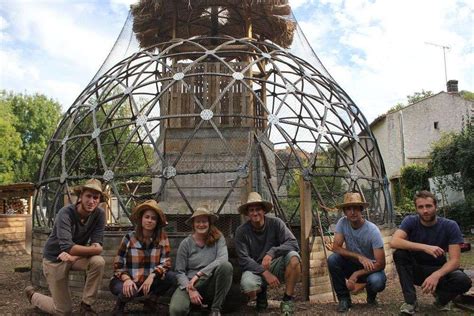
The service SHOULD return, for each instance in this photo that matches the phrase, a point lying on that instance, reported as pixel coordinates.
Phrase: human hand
(350, 283)
(430, 283)
(97, 247)
(64, 256)
(434, 251)
(146, 286)
(191, 283)
(271, 279)
(129, 288)
(267, 260)
(366, 263)
(195, 297)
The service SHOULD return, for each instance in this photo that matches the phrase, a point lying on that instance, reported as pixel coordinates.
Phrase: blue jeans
(341, 268)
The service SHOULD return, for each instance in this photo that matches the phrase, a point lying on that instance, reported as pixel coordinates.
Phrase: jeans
(341, 268)
(411, 273)
(213, 289)
(158, 287)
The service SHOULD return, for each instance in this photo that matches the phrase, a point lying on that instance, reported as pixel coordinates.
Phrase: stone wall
(320, 287)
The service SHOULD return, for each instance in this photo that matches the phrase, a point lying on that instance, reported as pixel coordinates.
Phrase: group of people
(267, 251)
(202, 275)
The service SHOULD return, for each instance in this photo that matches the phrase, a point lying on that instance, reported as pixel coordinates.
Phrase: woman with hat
(204, 273)
(142, 264)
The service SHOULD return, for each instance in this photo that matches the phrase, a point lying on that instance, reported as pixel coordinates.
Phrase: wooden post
(306, 223)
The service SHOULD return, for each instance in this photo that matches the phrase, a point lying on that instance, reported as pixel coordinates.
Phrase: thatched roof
(153, 20)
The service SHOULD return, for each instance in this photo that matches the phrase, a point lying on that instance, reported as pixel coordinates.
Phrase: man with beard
(268, 254)
(75, 243)
(422, 242)
(362, 260)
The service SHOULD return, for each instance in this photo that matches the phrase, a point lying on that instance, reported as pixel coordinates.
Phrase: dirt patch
(14, 302)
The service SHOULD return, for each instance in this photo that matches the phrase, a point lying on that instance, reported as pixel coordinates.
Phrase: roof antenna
(444, 47)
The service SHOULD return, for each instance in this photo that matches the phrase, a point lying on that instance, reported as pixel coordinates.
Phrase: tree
(467, 95)
(417, 96)
(35, 119)
(411, 98)
(10, 144)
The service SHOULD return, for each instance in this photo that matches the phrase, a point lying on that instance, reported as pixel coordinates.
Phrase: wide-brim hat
(255, 198)
(91, 184)
(149, 205)
(202, 211)
(352, 199)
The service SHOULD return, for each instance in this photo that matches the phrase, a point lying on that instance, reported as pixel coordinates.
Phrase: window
(436, 125)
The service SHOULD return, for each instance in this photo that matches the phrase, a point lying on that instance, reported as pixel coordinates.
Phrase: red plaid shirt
(138, 260)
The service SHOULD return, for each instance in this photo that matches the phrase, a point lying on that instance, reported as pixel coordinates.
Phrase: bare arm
(430, 283)
(369, 265)
(399, 241)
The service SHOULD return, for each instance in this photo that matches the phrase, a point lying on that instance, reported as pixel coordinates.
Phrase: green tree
(35, 119)
(10, 144)
(417, 96)
(467, 95)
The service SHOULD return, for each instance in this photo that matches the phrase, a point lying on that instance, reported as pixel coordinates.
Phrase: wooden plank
(306, 223)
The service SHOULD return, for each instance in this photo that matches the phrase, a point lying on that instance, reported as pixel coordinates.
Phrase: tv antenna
(444, 47)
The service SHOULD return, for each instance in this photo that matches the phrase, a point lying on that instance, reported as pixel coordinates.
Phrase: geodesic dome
(196, 126)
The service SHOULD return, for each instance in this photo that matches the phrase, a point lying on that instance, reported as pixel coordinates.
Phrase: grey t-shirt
(191, 259)
(69, 231)
(362, 240)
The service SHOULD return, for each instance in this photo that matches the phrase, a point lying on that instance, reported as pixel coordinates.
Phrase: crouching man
(363, 258)
(268, 254)
(421, 244)
(75, 243)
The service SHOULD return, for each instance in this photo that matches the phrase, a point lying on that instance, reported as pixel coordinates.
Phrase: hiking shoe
(344, 305)
(409, 309)
(372, 301)
(262, 301)
(287, 308)
(86, 310)
(442, 308)
(29, 291)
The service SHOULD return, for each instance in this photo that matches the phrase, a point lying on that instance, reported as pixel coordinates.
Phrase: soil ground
(14, 302)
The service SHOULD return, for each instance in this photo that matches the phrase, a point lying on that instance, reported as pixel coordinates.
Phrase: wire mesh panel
(191, 125)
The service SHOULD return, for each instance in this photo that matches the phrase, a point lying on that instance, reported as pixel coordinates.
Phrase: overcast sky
(375, 49)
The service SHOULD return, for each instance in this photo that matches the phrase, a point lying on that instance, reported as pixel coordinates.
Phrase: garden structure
(201, 102)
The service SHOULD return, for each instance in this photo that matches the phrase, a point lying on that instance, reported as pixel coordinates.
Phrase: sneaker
(29, 291)
(344, 305)
(287, 308)
(86, 310)
(409, 309)
(262, 301)
(442, 308)
(215, 313)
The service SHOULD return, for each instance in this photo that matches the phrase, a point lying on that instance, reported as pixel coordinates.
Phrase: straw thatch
(153, 20)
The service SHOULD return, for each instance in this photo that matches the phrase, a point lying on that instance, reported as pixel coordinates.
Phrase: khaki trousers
(57, 276)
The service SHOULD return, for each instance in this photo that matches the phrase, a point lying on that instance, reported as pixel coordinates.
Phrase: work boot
(86, 310)
(344, 305)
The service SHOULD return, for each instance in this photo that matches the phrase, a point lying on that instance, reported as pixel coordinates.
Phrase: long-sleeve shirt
(192, 259)
(275, 239)
(69, 231)
(139, 260)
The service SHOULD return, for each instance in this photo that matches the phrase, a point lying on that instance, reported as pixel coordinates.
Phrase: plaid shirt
(138, 261)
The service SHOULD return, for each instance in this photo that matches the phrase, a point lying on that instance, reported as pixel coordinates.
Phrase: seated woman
(204, 273)
(141, 267)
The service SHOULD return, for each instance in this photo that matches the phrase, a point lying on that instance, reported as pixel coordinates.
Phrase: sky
(376, 50)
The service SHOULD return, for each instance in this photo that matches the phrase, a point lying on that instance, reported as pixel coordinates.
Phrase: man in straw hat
(363, 258)
(268, 254)
(75, 243)
(421, 244)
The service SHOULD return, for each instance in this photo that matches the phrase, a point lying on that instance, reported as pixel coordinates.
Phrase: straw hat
(354, 199)
(91, 184)
(151, 205)
(202, 211)
(255, 198)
